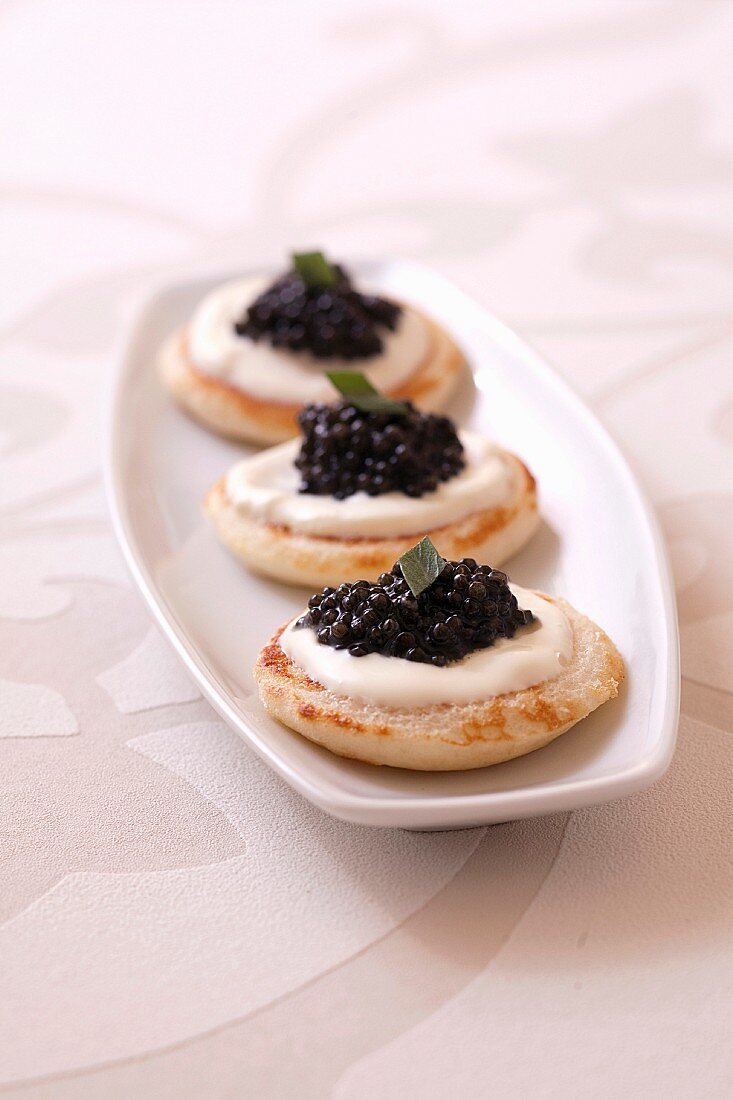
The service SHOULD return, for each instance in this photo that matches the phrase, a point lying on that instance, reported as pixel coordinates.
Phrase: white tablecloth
(177, 922)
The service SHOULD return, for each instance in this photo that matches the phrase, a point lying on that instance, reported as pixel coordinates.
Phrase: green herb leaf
(357, 389)
(421, 565)
(314, 269)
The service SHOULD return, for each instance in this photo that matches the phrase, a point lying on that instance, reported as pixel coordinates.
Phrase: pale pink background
(177, 923)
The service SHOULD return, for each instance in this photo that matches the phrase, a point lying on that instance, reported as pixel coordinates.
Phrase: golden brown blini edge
(448, 737)
(492, 535)
(235, 414)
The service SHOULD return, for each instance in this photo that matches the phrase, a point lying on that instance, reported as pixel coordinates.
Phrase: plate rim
(430, 811)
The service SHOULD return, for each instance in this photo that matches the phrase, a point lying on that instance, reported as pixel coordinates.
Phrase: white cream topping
(265, 486)
(536, 653)
(293, 378)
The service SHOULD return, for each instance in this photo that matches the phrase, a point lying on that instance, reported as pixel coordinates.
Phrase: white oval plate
(599, 547)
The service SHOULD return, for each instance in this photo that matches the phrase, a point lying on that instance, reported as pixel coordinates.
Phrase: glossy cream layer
(265, 487)
(536, 653)
(292, 378)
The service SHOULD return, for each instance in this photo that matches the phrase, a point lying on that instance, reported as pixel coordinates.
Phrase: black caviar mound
(467, 608)
(329, 322)
(346, 451)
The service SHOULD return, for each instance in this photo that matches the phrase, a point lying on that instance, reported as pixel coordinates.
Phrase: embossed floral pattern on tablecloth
(175, 921)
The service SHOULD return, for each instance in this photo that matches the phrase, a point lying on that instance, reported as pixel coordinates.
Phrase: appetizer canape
(368, 476)
(495, 671)
(255, 351)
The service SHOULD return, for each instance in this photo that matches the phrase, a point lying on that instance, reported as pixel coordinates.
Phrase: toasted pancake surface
(449, 737)
(491, 535)
(233, 413)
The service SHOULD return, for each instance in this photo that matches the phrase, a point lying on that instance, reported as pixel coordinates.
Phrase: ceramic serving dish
(599, 546)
